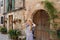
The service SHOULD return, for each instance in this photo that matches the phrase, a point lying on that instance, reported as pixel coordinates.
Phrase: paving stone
(4, 37)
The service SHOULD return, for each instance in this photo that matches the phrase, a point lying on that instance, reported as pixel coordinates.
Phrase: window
(15, 4)
(1, 3)
(2, 20)
(10, 5)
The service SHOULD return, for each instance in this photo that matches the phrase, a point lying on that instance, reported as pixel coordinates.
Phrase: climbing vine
(51, 9)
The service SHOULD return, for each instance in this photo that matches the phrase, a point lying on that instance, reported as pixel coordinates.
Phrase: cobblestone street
(4, 37)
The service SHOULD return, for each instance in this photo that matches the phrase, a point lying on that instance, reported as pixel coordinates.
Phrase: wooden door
(10, 22)
(40, 18)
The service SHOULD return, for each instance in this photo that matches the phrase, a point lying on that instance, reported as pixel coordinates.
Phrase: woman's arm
(31, 26)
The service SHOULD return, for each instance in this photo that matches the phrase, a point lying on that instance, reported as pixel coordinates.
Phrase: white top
(27, 30)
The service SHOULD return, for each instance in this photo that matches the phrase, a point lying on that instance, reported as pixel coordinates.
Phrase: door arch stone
(40, 18)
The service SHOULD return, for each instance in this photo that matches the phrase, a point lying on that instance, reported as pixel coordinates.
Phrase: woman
(28, 29)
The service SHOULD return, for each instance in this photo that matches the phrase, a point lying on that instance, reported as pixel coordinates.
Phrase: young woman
(28, 29)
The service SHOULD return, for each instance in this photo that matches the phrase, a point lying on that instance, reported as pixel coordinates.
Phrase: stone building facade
(1, 12)
(35, 10)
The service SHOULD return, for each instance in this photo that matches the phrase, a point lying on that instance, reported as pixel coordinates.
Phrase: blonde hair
(30, 20)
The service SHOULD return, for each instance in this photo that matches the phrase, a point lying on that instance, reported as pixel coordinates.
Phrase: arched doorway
(40, 18)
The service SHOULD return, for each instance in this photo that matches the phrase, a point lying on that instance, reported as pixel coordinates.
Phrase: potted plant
(14, 34)
(3, 30)
(24, 38)
(58, 33)
(0, 29)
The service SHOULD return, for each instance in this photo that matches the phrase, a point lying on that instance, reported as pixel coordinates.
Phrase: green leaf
(50, 8)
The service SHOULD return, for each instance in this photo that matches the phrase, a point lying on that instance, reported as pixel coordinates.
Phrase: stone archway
(40, 18)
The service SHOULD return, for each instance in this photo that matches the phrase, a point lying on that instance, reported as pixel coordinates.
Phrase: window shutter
(13, 4)
(7, 5)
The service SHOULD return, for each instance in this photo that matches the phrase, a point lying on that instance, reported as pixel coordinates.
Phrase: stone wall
(31, 7)
(16, 15)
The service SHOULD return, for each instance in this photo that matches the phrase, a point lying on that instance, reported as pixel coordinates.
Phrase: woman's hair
(30, 20)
